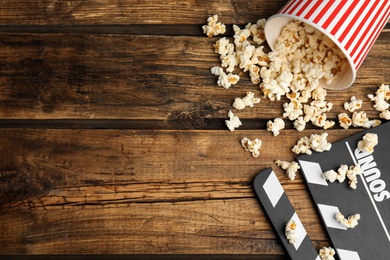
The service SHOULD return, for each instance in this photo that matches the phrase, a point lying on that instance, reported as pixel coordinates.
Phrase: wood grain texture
(113, 139)
(126, 192)
(133, 12)
(83, 76)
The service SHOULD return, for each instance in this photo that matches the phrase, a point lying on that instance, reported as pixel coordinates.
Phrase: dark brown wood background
(112, 135)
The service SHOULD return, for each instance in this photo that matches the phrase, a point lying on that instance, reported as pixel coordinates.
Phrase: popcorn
(299, 124)
(292, 110)
(213, 28)
(319, 143)
(360, 119)
(240, 37)
(344, 120)
(290, 230)
(248, 100)
(291, 168)
(352, 173)
(254, 74)
(257, 31)
(321, 121)
(381, 95)
(351, 222)
(340, 175)
(224, 47)
(224, 80)
(302, 146)
(353, 105)
(368, 143)
(217, 71)
(385, 115)
(319, 93)
(327, 253)
(251, 146)
(229, 61)
(233, 122)
(275, 126)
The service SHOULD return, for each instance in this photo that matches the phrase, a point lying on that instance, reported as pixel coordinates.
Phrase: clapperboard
(370, 239)
(279, 209)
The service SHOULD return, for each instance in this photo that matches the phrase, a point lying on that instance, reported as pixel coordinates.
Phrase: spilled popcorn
(380, 98)
(224, 80)
(351, 222)
(368, 143)
(316, 142)
(343, 172)
(352, 173)
(291, 168)
(344, 120)
(275, 126)
(233, 122)
(327, 253)
(340, 175)
(248, 101)
(290, 230)
(251, 146)
(213, 28)
(353, 105)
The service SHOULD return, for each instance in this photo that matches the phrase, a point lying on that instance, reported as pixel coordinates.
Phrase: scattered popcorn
(254, 74)
(224, 47)
(327, 253)
(291, 168)
(344, 120)
(351, 222)
(385, 115)
(360, 119)
(353, 105)
(251, 146)
(302, 146)
(319, 93)
(233, 122)
(248, 100)
(213, 28)
(381, 95)
(292, 110)
(257, 31)
(217, 71)
(229, 61)
(290, 230)
(316, 142)
(275, 126)
(352, 173)
(224, 80)
(340, 175)
(300, 124)
(321, 121)
(368, 143)
(319, 143)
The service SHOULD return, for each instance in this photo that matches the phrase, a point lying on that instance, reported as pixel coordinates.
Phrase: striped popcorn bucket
(352, 25)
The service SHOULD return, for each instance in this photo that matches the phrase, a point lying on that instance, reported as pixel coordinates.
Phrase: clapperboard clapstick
(279, 209)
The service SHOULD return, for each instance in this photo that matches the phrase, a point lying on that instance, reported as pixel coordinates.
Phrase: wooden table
(113, 138)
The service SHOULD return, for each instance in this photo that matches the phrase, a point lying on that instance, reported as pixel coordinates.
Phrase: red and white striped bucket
(353, 25)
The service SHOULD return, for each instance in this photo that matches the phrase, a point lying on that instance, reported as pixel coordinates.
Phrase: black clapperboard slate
(279, 209)
(370, 239)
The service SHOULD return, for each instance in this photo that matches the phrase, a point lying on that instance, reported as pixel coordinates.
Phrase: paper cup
(352, 25)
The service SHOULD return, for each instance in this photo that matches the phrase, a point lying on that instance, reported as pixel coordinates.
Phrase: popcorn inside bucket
(311, 51)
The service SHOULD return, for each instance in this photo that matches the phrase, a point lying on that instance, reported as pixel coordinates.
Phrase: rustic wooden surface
(113, 140)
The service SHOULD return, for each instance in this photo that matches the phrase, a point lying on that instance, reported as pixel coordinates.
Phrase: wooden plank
(78, 76)
(126, 192)
(70, 12)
